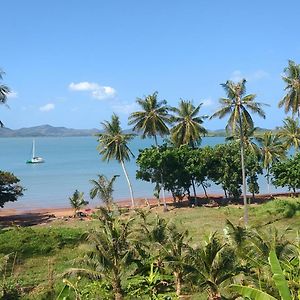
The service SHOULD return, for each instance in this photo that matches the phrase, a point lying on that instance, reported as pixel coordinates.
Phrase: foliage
(287, 173)
(103, 188)
(291, 101)
(4, 92)
(113, 144)
(10, 190)
(187, 129)
(290, 134)
(77, 201)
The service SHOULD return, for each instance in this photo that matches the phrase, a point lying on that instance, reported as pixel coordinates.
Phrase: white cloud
(98, 92)
(12, 94)
(237, 75)
(47, 107)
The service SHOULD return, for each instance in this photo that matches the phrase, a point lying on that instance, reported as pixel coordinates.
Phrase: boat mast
(33, 148)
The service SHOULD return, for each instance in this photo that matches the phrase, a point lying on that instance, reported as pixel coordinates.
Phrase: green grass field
(42, 253)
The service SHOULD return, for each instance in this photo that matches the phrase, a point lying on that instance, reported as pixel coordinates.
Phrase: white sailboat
(34, 159)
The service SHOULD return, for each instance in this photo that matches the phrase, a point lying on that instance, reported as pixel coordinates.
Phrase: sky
(73, 63)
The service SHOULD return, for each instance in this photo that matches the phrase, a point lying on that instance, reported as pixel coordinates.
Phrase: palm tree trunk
(177, 276)
(243, 169)
(129, 183)
(161, 181)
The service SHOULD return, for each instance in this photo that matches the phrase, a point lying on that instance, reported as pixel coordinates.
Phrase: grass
(43, 251)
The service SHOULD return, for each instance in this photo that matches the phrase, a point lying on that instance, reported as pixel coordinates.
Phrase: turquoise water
(70, 163)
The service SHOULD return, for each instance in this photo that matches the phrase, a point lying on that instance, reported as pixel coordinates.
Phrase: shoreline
(140, 202)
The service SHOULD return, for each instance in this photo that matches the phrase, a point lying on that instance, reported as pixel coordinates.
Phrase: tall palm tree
(237, 105)
(291, 101)
(290, 133)
(113, 144)
(4, 91)
(272, 151)
(103, 188)
(188, 127)
(152, 120)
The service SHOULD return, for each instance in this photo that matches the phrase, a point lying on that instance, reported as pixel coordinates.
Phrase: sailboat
(34, 159)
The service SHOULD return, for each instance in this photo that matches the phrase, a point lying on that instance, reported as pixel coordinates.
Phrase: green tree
(152, 121)
(77, 201)
(4, 91)
(103, 188)
(286, 173)
(272, 151)
(237, 105)
(113, 144)
(10, 189)
(290, 134)
(187, 129)
(291, 101)
(111, 251)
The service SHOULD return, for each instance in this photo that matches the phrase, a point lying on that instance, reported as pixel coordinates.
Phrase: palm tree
(290, 133)
(111, 251)
(215, 266)
(272, 150)
(77, 201)
(237, 105)
(291, 101)
(188, 127)
(4, 91)
(152, 121)
(103, 188)
(113, 144)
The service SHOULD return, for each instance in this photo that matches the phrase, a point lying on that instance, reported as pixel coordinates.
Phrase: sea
(70, 164)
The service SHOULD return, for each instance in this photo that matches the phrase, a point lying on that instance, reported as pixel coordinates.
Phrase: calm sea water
(70, 163)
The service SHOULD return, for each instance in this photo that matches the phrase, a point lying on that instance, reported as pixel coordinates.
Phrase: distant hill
(46, 130)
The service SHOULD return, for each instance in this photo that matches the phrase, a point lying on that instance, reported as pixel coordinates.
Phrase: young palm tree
(4, 91)
(111, 251)
(237, 105)
(152, 121)
(188, 127)
(272, 150)
(291, 101)
(103, 188)
(113, 144)
(290, 134)
(77, 201)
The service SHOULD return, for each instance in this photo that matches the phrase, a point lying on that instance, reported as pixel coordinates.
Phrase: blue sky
(73, 63)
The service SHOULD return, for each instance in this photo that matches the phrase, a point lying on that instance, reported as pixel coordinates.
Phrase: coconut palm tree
(290, 133)
(151, 121)
(188, 127)
(113, 144)
(237, 105)
(272, 150)
(103, 188)
(77, 201)
(4, 91)
(291, 101)
(111, 251)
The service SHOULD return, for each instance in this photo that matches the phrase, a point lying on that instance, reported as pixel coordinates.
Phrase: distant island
(48, 130)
